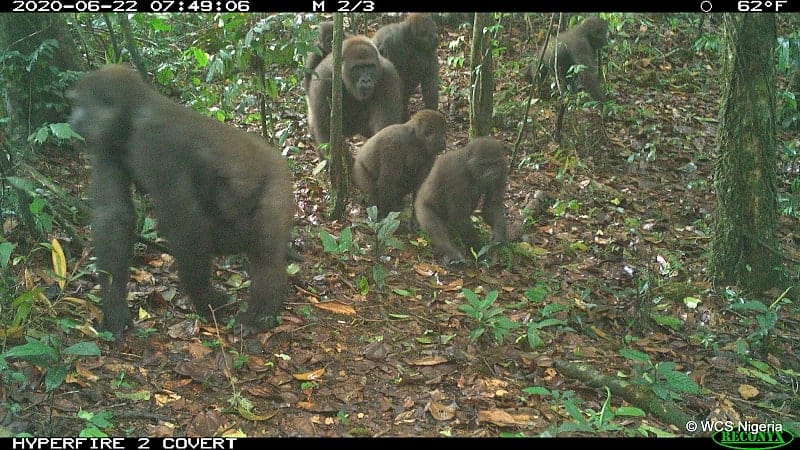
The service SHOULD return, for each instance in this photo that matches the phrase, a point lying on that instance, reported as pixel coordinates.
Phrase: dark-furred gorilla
(411, 46)
(458, 182)
(578, 45)
(394, 162)
(325, 45)
(371, 98)
(215, 189)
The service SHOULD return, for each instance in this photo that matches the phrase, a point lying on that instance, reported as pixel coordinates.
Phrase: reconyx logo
(756, 440)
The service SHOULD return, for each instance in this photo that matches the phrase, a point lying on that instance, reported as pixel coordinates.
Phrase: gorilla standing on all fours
(578, 45)
(459, 182)
(371, 97)
(411, 46)
(216, 190)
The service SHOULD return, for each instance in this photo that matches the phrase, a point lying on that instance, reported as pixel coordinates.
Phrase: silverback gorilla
(371, 97)
(215, 189)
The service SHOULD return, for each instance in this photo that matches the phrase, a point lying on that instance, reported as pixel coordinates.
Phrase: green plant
(383, 230)
(537, 294)
(340, 246)
(765, 317)
(661, 378)
(489, 318)
(48, 355)
(95, 423)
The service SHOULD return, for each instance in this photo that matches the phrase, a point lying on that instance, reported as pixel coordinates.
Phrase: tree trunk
(481, 78)
(744, 250)
(339, 168)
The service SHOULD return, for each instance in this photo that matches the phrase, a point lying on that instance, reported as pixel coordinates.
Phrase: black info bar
(107, 443)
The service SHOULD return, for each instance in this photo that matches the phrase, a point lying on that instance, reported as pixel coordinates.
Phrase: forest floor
(606, 283)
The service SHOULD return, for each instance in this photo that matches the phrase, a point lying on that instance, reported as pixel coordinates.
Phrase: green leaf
(133, 396)
(537, 293)
(35, 353)
(379, 275)
(82, 349)
(55, 376)
(534, 340)
(92, 432)
(471, 297)
(536, 390)
(5, 253)
(476, 333)
(749, 306)
(548, 323)
(329, 243)
(668, 321)
(629, 411)
(634, 355)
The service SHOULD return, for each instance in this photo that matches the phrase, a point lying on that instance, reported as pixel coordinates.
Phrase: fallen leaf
(336, 306)
(428, 361)
(503, 418)
(747, 391)
(310, 376)
(440, 411)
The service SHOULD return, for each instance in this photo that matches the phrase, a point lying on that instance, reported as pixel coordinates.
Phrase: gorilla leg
(113, 232)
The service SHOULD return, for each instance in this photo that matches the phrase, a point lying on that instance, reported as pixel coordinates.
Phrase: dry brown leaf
(175, 384)
(142, 276)
(440, 411)
(428, 361)
(747, 391)
(454, 285)
(336, 306)
(198, 350)
(85, 373)
(184, 329)
(425, 269)
(310, 376)
(205, 424)
(503, 418)
(165, 398)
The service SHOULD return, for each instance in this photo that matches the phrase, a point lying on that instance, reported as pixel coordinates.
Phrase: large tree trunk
(744, 250)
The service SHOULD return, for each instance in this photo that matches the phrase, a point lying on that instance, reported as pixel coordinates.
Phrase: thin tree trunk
(481, 78)
(339, 168)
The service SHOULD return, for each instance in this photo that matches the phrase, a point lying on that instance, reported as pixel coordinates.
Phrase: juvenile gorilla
(453, 190)
(411, 46)
(578, 45)
(395, 161)
(371, 98)
(216, 190)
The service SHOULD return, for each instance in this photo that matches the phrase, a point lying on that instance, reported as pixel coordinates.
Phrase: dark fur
(371, 98)
(454, 188)
(411, 46)
(215, 189)
(325, 45)
(578, 45)
(394, 162)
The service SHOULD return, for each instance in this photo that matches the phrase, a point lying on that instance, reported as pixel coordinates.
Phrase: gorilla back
(215, 189)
